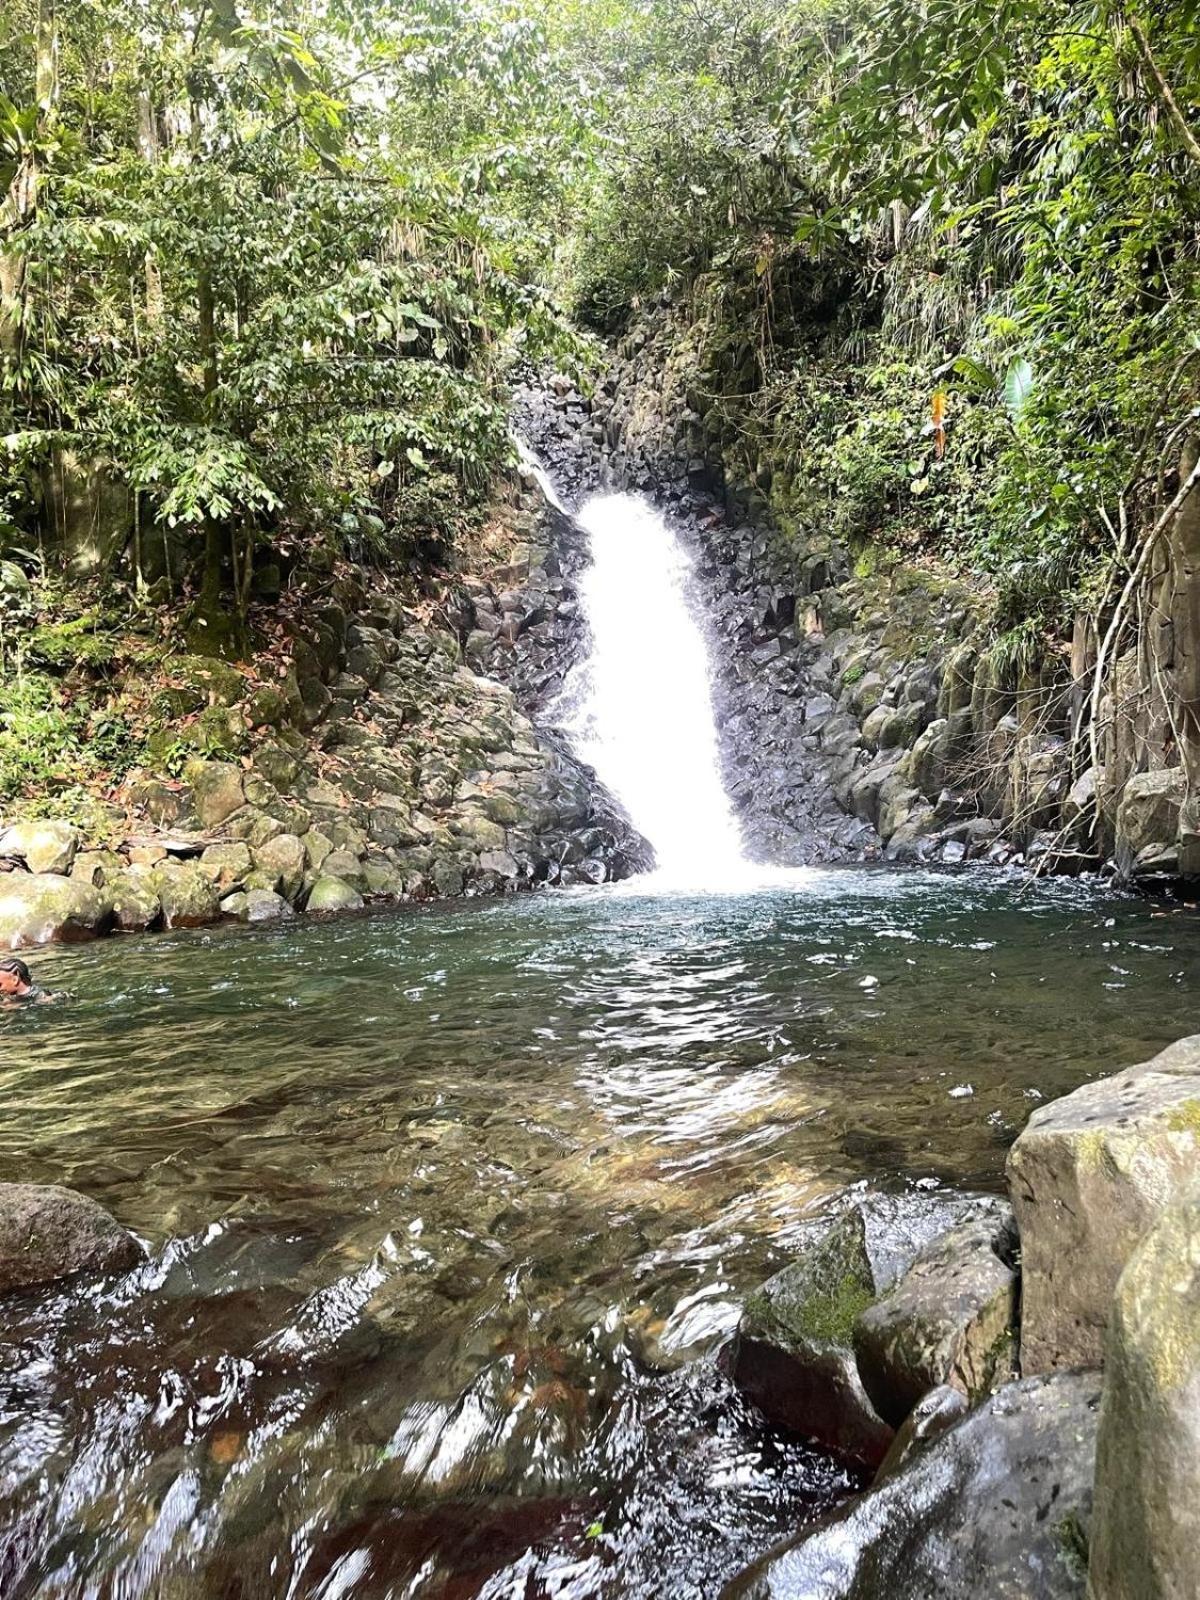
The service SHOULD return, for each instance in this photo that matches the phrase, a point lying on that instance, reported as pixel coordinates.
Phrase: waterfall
(538, 473)
(639, 708)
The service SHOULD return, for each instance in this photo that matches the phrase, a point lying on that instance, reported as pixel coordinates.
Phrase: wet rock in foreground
(793, 1355)
(998, 1508)
(1147, 1539)
(1089, 1177)
(47, 1232)
(950, 1320)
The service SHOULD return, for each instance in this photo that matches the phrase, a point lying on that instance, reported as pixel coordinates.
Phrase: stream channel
(450, 1207)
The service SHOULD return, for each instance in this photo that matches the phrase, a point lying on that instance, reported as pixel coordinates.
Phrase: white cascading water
(639, 708)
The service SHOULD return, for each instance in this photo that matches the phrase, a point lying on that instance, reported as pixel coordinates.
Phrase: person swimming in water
(16, 982)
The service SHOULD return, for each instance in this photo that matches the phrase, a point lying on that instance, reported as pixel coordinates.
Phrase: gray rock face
(1146, 1542)
(1089, 1177)
(42, 846)
(47, 1232)
(934, 1413)
(793, 1355)
(950, 1319)
(256, 905)
(997, 1508)
(1148, 817)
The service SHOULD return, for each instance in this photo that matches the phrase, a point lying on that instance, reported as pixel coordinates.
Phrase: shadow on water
(441, 1203)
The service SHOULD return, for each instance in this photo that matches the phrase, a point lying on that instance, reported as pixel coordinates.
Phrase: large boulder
(134, 901)
(282, 860)
(1146, 1544)
(333, 894)
(216, 791)
(47, 1232)
(949, 1320)
(1089, 1177)
(997, 1508)
(227, 862)
(793, 1354)
(35, 908)
(42, 846)
(1148, 820)
(188, 896)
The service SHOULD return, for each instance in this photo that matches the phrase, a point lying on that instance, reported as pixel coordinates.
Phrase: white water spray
(538, 473)
(639, 708)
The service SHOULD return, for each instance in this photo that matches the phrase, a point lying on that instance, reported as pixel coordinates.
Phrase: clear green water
(439, 1202)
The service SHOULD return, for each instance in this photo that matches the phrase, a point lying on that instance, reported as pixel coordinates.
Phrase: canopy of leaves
(975, 224)
(268, 262)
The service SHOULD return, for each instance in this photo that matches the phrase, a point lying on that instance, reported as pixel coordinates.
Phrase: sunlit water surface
(439, 1202)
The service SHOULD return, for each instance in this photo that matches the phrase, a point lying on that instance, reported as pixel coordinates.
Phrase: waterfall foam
(639, 709)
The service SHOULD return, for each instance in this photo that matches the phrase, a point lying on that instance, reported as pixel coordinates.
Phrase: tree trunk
(20, 203)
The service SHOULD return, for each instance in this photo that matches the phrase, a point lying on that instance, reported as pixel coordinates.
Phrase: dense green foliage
(266, 265)
(946, 255)
(260, 271)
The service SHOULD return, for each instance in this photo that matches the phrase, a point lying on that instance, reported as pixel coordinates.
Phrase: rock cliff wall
(384, 767)
(864, 704)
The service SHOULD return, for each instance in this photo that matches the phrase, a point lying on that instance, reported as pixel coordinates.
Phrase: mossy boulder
(333, 894)
(196, 682)
(793, 1354)
(38, 907)
(282, 859)
(97, 867)
(47, 1233)
(1146, 1542)
(227, 862)
(161, 803)
(134, 901)
(317, 846)
(188, 896)
(1089, 1177)
(345, 865)
(216, 790)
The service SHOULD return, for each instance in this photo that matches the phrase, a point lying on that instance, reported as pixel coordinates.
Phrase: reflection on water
(440, 1202)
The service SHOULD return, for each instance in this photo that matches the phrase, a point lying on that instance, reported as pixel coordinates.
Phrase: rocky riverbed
(384, 768)
(1019, 1378)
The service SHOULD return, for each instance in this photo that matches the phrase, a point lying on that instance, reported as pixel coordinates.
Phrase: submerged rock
(1089, 1177)
(47, 1232)
(793, 1354)
(950, 1319)
(1147, 1523)
(997, 1508)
